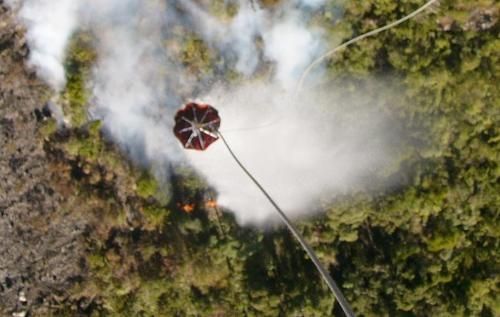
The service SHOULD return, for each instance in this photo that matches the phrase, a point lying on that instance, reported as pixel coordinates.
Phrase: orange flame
(188, 208)
(211, 203)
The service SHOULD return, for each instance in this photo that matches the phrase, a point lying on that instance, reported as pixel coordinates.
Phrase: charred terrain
(86, 232)
(42, 242)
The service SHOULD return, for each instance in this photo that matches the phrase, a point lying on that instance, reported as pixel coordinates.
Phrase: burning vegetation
(144, 244)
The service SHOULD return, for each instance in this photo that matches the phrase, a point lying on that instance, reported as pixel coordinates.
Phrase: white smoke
(238, 37)
(312, 4)
(299, 148)
(129, 86)
(245, 27)
(50, 24)
(288, 42)
(292, 47)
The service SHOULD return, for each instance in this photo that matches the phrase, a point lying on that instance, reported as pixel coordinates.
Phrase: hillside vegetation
(427, 246)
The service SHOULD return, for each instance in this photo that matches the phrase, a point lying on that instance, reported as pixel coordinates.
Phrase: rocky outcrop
(41, 242)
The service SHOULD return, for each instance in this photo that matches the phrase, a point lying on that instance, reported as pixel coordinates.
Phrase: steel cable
(359, 38)
(324, 273)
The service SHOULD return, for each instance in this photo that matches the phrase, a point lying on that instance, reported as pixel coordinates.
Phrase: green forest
(426, 247)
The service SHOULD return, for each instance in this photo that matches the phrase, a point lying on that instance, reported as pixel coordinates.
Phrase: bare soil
(41, 244)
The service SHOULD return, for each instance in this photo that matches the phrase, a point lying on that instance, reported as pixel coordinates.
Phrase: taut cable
(359, 38)
(324, 273)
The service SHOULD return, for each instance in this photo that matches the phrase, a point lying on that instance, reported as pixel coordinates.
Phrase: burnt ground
(41, 242)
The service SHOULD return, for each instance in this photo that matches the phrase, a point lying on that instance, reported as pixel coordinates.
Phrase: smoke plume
(300, 146)
(300, 149)
(50, 24)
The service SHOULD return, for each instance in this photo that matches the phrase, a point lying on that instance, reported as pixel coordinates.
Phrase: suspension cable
(324, 273)
(357, 39)
(320, 59)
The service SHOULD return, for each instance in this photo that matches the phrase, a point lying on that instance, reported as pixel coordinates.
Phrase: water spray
(197, 127)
